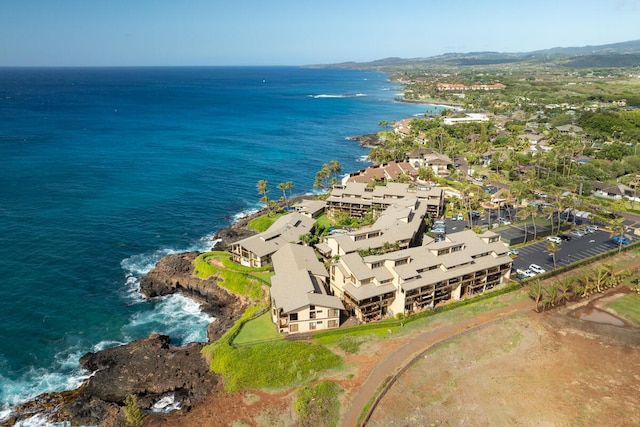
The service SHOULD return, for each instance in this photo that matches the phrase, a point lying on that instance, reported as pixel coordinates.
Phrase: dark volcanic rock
(175, 273)
(150, 368)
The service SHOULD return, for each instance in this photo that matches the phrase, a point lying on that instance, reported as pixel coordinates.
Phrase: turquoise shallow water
(105, 170)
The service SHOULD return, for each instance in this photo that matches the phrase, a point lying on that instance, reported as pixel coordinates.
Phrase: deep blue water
(105, 170)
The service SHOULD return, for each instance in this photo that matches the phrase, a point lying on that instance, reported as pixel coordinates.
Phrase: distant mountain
(624, 54)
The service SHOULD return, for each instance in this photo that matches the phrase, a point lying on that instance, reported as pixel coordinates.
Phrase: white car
(460, 217)
(537, 269)
(554, 239)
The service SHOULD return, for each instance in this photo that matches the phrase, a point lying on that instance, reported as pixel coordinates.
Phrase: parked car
(555, 239)
(564, 237)
(578, 233)
(591, 228)
(460, 217)
(439, 230)
(617, 240)
(537, 269)
(514, 252)
(528, 273)
(504, 221)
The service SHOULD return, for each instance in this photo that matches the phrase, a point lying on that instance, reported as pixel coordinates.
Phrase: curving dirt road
(416, 344)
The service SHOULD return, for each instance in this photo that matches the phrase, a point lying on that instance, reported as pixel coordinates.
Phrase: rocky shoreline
(150, 367)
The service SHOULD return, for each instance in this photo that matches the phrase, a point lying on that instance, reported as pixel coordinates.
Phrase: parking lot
(576, 249)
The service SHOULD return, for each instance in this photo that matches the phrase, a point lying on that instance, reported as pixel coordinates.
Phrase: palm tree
(533, 211)
(335, 168)
(322, 177)
(550, 295)
(617, 229)
(552, 248)
(284, 186)
(565, 289)
(600, 278)
(261, 186)
(523, 214)
(535, 292)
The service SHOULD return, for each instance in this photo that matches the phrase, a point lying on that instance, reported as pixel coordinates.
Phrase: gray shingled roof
(286, 229)
(295, 284)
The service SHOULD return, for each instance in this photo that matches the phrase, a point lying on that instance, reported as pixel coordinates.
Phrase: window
(333, 324)
(312, 315)
(312, 325)
(293, 316)
(293, 327)
(319, 322)
(312, 307)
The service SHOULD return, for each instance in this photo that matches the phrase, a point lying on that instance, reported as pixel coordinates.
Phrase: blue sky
(296, 32)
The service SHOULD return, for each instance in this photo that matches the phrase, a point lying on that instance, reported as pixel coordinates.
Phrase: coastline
(110, 371)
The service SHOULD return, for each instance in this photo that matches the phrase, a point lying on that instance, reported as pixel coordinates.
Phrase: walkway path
(417, 344)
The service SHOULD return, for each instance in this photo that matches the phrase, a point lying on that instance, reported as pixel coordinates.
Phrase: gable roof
(288, 228)
(297, 280)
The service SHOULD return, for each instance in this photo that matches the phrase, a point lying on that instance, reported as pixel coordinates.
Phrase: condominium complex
(408, 280)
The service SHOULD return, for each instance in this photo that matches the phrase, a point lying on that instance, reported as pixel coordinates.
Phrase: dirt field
(507, 366)
(532, 369)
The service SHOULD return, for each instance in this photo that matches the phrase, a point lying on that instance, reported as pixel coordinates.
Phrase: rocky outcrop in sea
(151, 367)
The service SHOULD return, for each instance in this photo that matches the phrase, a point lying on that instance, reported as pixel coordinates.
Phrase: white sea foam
(345, 95)
(174, 315)
(39, 421)
(245, 213)
(166, 405)
(39, 380)
(363, 159)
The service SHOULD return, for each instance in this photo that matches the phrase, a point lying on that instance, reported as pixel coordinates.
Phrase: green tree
(552, 248)
(536, 292)
(284, 186)
(322, 177)
(261, 186)
(565, 288)
(334, 168)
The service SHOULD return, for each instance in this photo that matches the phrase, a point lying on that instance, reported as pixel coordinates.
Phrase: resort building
(405, 281)
(310, 208)
(299, 299)
(256, 251)
(427, 158)
(384, 172)
(357, 199)
(400, 226)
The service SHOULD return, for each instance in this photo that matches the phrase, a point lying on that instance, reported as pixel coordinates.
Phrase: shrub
(133, 414)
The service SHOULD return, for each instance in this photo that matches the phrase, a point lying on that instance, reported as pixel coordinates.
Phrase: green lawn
(323, 221)
(262, 223)
(259, 329)
(627, 306)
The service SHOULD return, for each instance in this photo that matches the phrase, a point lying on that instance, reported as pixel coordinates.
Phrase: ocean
(105, 170)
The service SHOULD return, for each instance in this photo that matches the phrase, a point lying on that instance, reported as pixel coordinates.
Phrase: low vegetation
(263, 222)
(627, 307)
(566, 288)
(319, 405)
(235, 278)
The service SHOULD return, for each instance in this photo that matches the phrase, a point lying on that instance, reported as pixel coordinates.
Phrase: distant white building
(470, 118)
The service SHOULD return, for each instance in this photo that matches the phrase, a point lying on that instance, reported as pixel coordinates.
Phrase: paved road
(415, 346)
